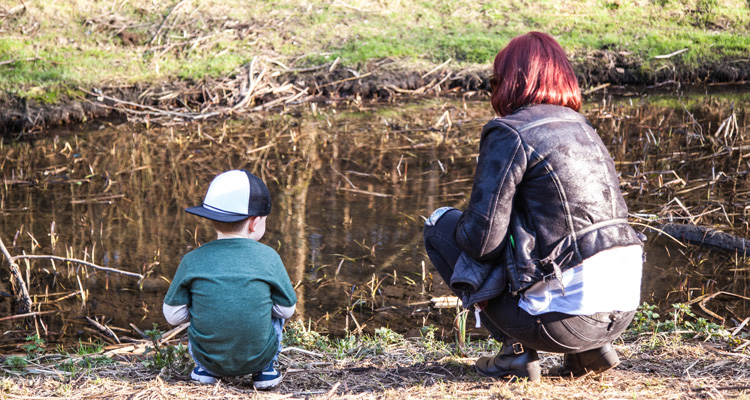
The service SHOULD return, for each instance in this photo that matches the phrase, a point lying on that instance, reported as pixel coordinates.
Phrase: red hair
(533, 69)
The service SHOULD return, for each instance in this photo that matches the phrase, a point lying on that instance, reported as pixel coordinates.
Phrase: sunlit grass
(64, 44)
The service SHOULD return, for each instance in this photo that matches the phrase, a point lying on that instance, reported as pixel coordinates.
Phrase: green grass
(84, 349)
(76, 42)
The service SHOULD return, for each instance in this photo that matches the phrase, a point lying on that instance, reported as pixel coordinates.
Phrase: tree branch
(20, 292)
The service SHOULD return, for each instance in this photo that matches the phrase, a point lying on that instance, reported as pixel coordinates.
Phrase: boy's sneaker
(267, 378)
(201, 375)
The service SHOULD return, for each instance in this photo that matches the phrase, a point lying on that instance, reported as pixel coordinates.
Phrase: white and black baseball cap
(233, 196)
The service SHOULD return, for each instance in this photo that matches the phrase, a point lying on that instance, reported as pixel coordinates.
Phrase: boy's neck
(222, 235)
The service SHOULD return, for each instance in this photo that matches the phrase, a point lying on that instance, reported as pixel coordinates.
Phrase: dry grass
(408, 369)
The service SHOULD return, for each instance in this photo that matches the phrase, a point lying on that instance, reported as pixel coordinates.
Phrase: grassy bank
(674, 356)
(48, 49)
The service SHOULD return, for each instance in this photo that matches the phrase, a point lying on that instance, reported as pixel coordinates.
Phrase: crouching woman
(543, 248)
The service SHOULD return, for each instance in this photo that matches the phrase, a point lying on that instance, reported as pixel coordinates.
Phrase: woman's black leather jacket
(546, 196)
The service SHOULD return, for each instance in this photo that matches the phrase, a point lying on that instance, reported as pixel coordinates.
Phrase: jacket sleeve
(481, 230)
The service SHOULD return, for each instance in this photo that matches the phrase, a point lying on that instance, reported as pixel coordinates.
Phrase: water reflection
(350, 188)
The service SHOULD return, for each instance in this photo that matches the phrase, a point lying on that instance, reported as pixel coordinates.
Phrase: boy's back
(231, 285)
(234, 291)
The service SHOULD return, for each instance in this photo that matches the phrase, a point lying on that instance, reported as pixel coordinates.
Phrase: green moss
(41, 96)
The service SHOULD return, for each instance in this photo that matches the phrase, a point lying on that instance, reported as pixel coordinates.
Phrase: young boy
(234, 291)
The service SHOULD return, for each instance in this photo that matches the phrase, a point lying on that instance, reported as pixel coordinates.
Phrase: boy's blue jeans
(278, 326)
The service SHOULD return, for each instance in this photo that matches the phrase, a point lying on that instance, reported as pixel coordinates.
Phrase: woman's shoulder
(532, 116)
(498, 128)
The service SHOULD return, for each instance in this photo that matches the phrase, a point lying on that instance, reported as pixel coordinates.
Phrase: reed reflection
(350, 187)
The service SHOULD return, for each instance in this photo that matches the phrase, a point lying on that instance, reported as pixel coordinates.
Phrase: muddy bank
(253, 89)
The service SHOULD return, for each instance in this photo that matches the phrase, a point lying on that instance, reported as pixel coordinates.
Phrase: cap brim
(215, 215)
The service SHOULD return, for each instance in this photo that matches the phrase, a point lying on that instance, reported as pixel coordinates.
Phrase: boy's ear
(253, 223)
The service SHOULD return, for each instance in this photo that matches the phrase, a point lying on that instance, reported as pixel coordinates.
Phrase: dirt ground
(651, 367)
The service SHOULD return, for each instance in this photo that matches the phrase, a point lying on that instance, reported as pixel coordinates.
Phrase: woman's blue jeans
(553, 332)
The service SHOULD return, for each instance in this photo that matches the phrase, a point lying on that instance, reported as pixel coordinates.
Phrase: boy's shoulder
(261, 248)
(219, 246)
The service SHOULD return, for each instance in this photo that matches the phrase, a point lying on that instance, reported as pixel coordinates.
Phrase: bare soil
(685, 370)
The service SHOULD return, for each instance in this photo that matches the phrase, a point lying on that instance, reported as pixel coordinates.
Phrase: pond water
(351, 185)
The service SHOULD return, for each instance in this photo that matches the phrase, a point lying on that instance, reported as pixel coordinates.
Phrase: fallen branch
(706, 297)
(33, 314)
(366, 192)
(161, 26)
(73, 260)
(651, 228)
(151, 110)
(20, 292)
(303, 351)
(707, 236)
(285, 100)
(253, 84)
(725, 353)
(346, 80)
(98, 199)
(103, 328)
(703, 389)
(672, 54)
(596, 88)
(432, 71)
(19, 60)
(172, 333)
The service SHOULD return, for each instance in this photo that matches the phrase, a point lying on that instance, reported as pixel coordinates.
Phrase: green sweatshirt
(229, 286)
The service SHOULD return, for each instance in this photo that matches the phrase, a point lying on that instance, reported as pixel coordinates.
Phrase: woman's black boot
(593, 361)
(513, 360)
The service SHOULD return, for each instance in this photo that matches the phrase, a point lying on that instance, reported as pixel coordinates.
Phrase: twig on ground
(172, 333)
(297, 349)
(103, 328)
(19, 60)
(32, 314)
(672, 54)
(169, 14)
